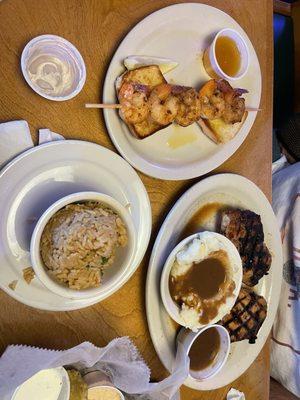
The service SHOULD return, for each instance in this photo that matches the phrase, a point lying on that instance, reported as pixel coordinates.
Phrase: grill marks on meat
(245, 230)
(246, 316)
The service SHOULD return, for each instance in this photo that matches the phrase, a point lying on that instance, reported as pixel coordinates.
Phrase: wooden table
(96, 28)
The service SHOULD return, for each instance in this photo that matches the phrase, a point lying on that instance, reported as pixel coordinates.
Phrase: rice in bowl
(80, 241)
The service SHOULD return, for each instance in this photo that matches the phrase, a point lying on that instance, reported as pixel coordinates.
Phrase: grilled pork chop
(245, 230)
(246, 317)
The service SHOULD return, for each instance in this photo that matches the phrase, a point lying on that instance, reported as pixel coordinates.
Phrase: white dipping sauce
(53, 67)
(52, 70)
(45, 385)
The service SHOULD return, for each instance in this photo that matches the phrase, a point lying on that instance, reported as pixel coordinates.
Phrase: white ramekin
(94, 378)
(187, 338)
(210, 56)
(112, 275)
(52, 42)
(171, 307)
(110, 387)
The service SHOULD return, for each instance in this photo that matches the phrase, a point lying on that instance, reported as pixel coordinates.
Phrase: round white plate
(37, 178)
(235, 191)
(180, 32)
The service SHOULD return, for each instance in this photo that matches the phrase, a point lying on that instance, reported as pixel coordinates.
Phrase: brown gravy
(205, 280)
(200, 218)
(204, 349)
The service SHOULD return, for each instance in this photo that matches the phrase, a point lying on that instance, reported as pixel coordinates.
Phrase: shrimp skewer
(163, 104)
(167, 103)
(219, 100)
(189, 106)
(133, 98)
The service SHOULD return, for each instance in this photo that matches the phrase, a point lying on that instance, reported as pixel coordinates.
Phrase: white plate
(180, 32)
(236, 191)
(40, 176)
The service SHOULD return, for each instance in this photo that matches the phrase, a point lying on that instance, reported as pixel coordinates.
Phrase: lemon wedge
(164, 64)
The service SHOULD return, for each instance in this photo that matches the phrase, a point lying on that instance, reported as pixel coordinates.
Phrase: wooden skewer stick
(252, 109)
(116, 106)
(94, 105)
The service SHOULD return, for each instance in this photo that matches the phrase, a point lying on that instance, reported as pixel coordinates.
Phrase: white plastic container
(210, 60)
(187, 338)
(53, 67)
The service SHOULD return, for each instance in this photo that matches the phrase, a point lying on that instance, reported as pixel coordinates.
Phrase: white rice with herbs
(80, 241)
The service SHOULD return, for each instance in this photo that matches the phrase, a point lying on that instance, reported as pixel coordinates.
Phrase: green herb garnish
(104, 260)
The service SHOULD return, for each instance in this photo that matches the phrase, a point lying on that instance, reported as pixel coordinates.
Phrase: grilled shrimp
(163, 104)
(189, 107)
(212, 101)
(220, 100)
(133, 98)
(234, 110)
(234, 104)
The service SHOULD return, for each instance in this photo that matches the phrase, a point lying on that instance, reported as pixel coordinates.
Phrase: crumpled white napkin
(120, 360)
(45, 135)
(15, 138)
(234, 394)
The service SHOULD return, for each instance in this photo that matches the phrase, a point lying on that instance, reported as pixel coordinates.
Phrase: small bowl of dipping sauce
(227, 57)
(100, 386)
(53, 67)
(208, 350)
(104, 393)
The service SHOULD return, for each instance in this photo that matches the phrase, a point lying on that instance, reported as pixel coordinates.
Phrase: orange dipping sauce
(228, 55)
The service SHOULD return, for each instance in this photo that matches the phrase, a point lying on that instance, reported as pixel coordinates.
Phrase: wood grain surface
(96, 28)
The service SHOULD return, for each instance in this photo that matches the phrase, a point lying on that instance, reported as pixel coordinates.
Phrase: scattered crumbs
(28, 274)
(12, 285)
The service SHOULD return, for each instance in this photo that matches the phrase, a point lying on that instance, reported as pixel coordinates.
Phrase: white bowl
(234, 259)
(210, 53)
(112, 276)
(54, 46)
(187, 338)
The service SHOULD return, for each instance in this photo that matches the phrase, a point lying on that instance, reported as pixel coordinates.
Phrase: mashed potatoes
(205, 279)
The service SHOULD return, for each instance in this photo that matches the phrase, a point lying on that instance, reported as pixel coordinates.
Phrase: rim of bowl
(226, 353)
(109, 387)
(79, 58)
(168, 302)
(229, 77)
(38, 264)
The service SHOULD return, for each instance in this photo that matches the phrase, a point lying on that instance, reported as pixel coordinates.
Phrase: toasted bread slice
(218, 131)
(151, 76)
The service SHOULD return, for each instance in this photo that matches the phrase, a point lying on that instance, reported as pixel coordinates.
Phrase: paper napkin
(234, 394)
(15, 138)
(120, 360)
